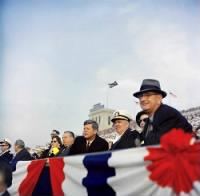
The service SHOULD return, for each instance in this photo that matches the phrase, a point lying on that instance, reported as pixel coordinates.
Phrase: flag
(111, 85)
(170, 169)
(172, 94)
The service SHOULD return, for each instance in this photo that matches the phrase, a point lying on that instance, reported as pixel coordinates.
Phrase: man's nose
(142, 98)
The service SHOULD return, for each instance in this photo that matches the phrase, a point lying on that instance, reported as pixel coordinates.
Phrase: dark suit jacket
(165, 118)
(127, 140)
(6, 194)
(7, 157)
(64, 151)
(79, 145)
(23, 155)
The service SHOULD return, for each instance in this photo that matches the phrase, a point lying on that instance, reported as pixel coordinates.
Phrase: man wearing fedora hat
(126, 137)
(162, 118)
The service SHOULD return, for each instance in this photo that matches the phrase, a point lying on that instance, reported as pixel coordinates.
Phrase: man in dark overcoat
(90, 141)
(162, 118)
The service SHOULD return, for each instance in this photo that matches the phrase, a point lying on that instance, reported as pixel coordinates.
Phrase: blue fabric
(43, 186)
(98, 173)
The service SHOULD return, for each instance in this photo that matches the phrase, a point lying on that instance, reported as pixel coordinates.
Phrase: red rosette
(176, 162)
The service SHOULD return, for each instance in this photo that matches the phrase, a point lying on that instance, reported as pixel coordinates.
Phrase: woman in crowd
(55, 148)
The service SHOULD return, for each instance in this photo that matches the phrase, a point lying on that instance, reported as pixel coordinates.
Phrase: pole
(107, 97)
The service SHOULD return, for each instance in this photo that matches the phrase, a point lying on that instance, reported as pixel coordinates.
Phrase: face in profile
(67, 139)
(89, 132)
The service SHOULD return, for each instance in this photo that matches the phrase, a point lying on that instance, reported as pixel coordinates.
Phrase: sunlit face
(143, 120)
(150, 102)
(120, 126)
(88, 132)
(67, 139)
(16, 147)
(55, 143)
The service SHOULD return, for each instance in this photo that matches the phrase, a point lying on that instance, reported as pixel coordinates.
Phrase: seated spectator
(141, 119)
(5, 178)
(162, 118)
(90, 141)
(68, 139)
(21, 153)
(55, 148)
(5, 154)
(126, 137)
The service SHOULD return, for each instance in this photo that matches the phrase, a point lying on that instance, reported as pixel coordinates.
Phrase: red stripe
(33, 173)
(57, 176)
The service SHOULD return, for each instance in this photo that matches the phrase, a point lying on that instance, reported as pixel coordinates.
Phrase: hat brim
(137, 94)
(1, 142)
(120, 118)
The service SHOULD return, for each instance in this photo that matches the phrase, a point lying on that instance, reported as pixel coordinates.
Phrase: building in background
(103, 117)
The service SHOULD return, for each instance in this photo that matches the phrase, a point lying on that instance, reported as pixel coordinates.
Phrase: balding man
(162, 118)
(21, 153)
(68, 139)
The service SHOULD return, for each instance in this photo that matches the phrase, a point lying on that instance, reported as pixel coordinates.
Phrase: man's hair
(71, 133)
(20, 143)
(6, 171)
(93, 123)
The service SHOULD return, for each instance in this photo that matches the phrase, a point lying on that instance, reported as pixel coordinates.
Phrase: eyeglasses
(3, 145)
(144, 120)
(53, 141)
(148, 94)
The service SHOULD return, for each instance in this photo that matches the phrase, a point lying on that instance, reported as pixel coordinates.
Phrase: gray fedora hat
(150, 85)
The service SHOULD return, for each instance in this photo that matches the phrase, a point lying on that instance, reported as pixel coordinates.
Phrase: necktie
(87, 146)
(149, 127)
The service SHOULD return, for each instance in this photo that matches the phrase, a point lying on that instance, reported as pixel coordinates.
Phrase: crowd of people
(155, 119)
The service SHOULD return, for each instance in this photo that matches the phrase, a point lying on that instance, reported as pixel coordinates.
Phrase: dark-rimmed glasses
(144, 120)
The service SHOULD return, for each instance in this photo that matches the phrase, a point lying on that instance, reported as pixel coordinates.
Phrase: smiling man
(90, 141)
(126, 138)
(162, 118)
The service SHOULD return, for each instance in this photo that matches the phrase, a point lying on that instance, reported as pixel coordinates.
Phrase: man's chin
(146, 110)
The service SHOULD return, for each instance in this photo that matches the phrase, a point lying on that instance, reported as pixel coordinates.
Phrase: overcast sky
(57, 58)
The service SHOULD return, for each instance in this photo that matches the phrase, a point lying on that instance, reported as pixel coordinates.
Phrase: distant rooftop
(97, 107)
